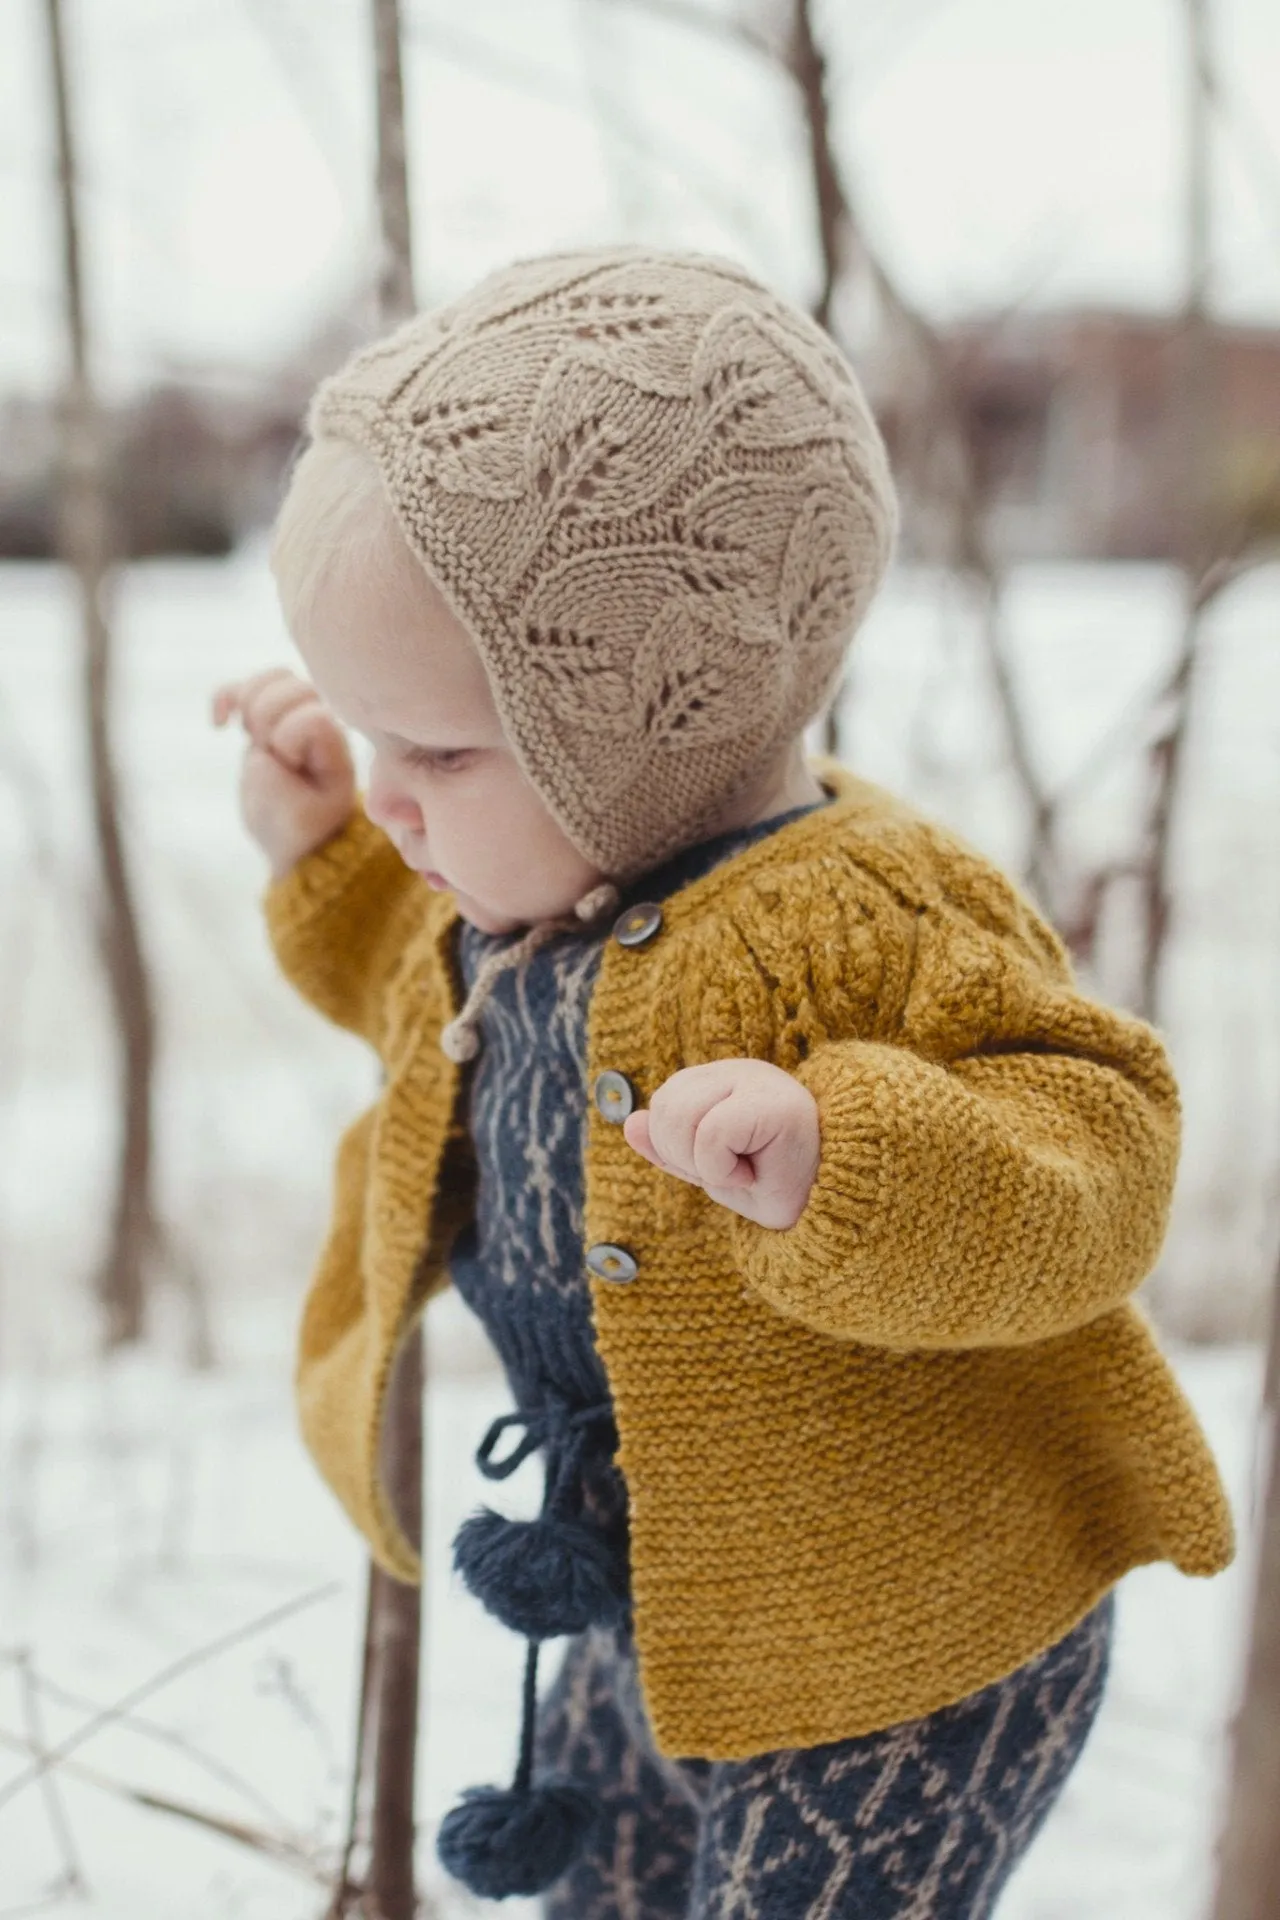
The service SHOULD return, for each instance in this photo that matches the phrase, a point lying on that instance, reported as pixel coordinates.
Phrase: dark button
(637, 924)
(608, 1262)
(614, 1095)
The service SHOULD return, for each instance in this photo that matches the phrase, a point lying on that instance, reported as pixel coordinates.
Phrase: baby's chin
(489, 920)
(482, 919)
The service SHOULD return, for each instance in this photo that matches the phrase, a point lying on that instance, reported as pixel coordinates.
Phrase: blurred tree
(385, 1761)
(85, 538)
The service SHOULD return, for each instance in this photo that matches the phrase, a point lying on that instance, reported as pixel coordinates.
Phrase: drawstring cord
(568, 1438)
(522, 1838)
(459, 1040)
(528, 1713)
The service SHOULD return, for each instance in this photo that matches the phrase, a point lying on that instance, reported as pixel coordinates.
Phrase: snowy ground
(147, 1511)
(150, 1512)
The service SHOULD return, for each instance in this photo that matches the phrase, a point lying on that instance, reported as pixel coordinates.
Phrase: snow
(150, 1509)
(157, 1510)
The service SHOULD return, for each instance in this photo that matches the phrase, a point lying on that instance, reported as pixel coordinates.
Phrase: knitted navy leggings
(924, 1821)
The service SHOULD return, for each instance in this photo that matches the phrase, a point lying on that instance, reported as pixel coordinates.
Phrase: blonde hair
(336, 511)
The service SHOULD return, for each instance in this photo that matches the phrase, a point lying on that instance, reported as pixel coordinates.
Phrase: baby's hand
(745, 1132)
(298, 781)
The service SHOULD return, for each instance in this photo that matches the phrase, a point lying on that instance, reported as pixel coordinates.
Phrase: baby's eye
(437, 759)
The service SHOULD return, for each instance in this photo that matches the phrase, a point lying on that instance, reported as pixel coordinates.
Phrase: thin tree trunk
(393, 1626)
(397, 1633)
(85, 541)
(1192, 458)
(395, 279)
(1249, 1856)
(808, 65)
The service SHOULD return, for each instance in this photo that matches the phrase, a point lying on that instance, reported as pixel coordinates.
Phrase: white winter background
(150, 1512)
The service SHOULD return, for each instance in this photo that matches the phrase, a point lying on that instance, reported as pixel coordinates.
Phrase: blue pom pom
(539, 1577)
(504, 1840)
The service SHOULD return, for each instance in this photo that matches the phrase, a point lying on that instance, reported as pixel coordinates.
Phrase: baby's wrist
(284, 859)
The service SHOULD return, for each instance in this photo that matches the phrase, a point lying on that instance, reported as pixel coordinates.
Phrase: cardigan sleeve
(337, 923)
(998, 1171)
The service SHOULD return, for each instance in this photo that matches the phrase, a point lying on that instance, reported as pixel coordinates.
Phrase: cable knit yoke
(880, 1459)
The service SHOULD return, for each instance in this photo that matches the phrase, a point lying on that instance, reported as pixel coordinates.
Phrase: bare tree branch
(724, 27)
(187, 1663)
(164, 1736)
(286, 1851)
(73, 1880)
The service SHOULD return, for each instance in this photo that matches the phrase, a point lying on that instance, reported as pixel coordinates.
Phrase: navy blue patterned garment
(520, 1265)
(923, 1821)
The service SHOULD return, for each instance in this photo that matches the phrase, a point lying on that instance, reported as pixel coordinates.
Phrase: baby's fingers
(225, 702)
(636, 1132)
(261, 699)
(723, 1142)
(310, 742)
(233, 696)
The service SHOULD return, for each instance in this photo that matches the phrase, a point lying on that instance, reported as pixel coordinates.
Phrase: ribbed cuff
(321, 876)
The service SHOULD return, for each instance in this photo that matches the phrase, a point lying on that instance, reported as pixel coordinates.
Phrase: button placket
(614, 1095)
(608, 1261)
(638, 924)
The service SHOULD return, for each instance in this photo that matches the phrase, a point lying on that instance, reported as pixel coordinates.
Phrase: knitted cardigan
(880, 1458)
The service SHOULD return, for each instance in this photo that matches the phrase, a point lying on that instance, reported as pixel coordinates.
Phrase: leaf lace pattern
(655, 495)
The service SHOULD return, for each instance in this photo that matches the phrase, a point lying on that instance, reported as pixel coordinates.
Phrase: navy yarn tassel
(555, 1574)
(539, 1577)
(517, 1840)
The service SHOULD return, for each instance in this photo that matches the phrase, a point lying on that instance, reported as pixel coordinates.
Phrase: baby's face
(395, 665)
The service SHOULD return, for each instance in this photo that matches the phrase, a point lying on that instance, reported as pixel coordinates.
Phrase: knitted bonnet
(654, 494)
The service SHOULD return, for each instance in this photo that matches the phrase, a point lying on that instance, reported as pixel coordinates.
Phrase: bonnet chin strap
(460, 1040)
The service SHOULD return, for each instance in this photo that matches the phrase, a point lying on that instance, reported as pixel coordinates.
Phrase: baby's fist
(298, 782)
(746, 1132)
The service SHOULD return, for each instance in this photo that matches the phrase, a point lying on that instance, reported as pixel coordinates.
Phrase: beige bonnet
(653, 492)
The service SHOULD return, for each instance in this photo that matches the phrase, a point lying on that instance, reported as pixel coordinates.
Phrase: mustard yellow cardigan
(878, 1459)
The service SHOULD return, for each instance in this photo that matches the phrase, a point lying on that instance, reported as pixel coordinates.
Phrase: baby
(759, 1118)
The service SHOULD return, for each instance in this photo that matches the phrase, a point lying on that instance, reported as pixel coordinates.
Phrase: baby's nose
(388, 804)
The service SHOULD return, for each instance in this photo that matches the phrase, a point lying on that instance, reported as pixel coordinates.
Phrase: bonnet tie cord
(459, 1038)
(542, 1577)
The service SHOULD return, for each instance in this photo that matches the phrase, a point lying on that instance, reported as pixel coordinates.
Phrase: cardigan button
(638, 924)
(614, 1095)
(608, 1262)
